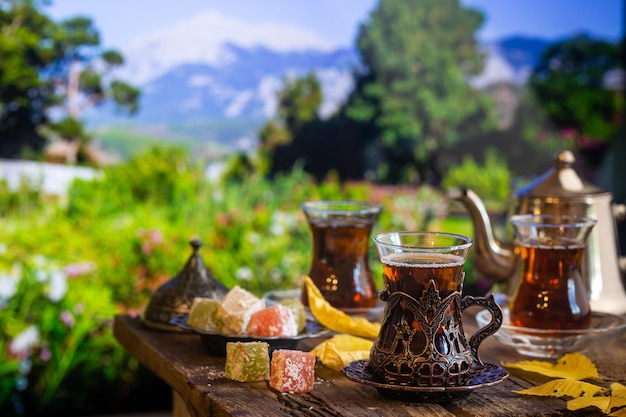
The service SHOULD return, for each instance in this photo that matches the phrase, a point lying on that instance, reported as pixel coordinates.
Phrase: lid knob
(564, 159)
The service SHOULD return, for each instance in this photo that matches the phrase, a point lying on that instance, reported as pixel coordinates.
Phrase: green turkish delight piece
(247, 362)
(203, 314)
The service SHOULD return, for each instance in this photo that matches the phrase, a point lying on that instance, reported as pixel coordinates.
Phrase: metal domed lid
(176, 296)
(560, 181)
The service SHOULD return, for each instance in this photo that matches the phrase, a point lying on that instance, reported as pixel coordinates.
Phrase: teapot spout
(494, 259)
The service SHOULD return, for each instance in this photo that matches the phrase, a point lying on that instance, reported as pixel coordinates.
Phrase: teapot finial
(565, 159)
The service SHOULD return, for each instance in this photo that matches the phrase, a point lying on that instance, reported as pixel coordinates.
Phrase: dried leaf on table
(583, 402)
(565, 388)
(618, 399)
(335, 319)
(571, 366)
(342, 349)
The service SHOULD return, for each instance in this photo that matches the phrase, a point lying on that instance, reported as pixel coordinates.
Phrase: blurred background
(128, 128)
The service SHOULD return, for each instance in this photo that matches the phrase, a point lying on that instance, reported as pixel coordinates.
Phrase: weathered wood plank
(181, 361)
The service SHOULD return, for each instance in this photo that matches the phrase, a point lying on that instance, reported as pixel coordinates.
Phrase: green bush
(491, 181)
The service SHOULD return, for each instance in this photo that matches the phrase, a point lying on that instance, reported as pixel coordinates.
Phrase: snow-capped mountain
(194, 73)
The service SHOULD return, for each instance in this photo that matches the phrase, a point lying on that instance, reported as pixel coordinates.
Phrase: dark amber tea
(339, 264)
(551, 293)
(411, 272)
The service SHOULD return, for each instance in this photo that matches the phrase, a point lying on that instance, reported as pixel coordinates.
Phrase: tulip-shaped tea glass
(551, 291)
(421, 341)
(339, 266)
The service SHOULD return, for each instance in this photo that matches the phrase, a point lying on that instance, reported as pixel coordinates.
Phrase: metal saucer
(480, 377)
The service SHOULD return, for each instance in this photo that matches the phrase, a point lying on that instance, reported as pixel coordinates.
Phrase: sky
(122, 22)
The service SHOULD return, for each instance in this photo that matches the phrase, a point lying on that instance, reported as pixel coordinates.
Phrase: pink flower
(45, 354)
(156, 236)
(67, 318)
(80, 268)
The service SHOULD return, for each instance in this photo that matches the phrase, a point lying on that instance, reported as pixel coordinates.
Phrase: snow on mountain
(202, 39)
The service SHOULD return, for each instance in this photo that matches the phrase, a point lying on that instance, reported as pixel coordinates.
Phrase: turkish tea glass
(339, 265)
(551, 291)
(421, 340)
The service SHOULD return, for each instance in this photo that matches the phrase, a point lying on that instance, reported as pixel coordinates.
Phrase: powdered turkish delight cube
(203, 314)
(276, 320)
(236, 308)
(292, 371)
(247, 362)
(297, 310)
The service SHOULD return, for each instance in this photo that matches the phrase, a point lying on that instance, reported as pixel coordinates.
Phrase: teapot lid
(560, 181)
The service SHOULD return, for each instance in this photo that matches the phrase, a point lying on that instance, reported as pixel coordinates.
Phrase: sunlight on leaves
(571, 366)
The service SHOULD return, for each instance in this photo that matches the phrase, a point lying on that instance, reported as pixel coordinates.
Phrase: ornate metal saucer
(176, 296)
(480, 377)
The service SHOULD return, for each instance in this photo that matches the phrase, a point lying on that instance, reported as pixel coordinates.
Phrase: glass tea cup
(339, 266)
(421, 340)
(551, 291)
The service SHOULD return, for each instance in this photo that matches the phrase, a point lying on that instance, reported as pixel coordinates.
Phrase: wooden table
(200, 389)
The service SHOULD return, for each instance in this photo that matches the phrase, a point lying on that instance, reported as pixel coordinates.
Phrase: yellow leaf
(564, 388)
(583, 402)
(571, 366)
(335, 319)
(619, 413)
(618, 399)
(618, 390)
(342, 349)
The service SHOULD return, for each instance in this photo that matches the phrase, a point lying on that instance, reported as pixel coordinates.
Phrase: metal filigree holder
(421, 341)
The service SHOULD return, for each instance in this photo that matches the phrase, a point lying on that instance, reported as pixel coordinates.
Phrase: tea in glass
(339, 266)
(551, 292)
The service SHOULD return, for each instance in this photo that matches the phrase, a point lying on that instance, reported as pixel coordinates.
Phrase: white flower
(8, 283)
(25, 341)
(253, 238)
(244, 274)
(58, 285)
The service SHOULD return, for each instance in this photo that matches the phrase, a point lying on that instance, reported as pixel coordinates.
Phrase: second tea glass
(339, 265)
(551, 291)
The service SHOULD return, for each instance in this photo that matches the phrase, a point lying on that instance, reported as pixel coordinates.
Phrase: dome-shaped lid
(560, 181)
(176, 296)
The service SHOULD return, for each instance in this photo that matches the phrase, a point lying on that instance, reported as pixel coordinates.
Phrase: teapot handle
(479, 335)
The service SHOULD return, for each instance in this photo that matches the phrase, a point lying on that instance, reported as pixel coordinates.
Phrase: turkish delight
(276, 320)
(247, 362)
(203, 314)
(292, 371)
(297, 310)
(236, 308)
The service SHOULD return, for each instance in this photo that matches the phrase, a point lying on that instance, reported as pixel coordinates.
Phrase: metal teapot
(559, 191)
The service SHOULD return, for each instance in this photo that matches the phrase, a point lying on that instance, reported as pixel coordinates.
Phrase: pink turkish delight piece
(272, 321)
(292, 371)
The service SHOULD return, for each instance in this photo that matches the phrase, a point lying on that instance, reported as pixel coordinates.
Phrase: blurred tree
(298, 103)
(52, 68)
(418, 56)
(572, 82)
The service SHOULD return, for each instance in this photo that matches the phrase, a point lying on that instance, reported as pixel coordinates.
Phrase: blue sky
(123, 21)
